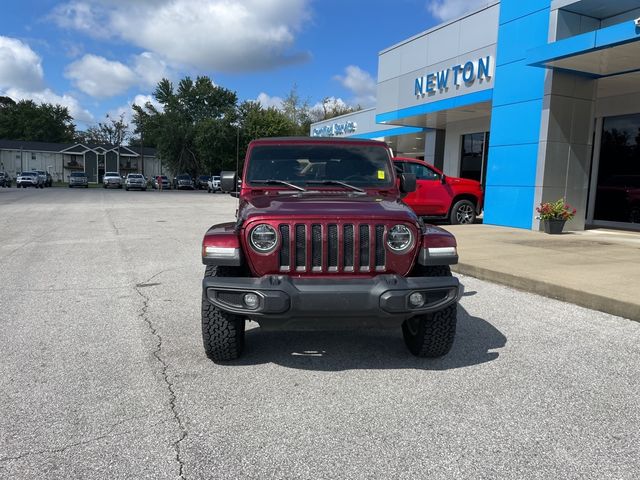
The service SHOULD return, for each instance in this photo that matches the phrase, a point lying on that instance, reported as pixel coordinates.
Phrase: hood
(462, 181)
(326, 204)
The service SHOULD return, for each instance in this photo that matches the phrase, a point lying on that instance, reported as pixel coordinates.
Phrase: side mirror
(407, 182)
(228, 181)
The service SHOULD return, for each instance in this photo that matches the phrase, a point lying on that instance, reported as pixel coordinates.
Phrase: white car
(112, 179)
(135, 180)
(213, 185)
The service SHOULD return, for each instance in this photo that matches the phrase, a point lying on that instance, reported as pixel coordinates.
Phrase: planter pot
(553, 227)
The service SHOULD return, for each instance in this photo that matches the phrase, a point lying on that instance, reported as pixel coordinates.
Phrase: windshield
(184, 177)
(203, 177)
(28, 174)
(77, 174)
(135, 176)
(111, 174)
(362, 166)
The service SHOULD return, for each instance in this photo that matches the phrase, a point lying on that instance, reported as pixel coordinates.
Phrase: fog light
(416, 299)
(251, 300)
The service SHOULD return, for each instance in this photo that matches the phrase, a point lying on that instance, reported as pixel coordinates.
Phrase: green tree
(193, 132)
(26, 120)
(113, 131)
(297, 111)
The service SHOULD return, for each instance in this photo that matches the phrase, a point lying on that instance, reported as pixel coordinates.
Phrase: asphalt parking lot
(103, 374)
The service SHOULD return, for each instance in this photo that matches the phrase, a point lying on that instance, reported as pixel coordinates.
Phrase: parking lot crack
(164, 370)
(61, 449)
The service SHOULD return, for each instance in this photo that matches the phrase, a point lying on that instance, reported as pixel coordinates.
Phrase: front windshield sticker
(380, 174)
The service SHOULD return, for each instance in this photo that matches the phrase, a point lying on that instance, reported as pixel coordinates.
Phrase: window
(618, 189)
(422, 172)
(473, 159)
(33, 156)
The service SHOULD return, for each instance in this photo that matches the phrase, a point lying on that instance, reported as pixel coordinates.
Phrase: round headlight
(399, 239)
(264, 238)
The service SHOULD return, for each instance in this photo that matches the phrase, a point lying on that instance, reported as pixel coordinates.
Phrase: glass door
(473, 158)
(617, 192)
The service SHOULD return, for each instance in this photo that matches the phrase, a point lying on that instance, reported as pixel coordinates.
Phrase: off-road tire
(462, 212)
(431, 335)
(222, 332)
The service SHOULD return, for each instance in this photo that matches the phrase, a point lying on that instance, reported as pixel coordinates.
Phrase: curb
(619, 308)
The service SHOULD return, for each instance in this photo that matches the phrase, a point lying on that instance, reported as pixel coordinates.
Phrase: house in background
(60, 159)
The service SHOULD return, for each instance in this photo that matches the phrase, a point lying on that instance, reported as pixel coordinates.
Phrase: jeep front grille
(332, 248)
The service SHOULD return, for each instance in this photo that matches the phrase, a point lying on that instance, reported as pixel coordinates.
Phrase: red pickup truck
(322, 238)
(457, 200)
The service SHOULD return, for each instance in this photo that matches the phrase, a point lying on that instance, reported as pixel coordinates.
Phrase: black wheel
(463, 212)
(222, 332)
(69, 186)
(127, 189)
(431, 335)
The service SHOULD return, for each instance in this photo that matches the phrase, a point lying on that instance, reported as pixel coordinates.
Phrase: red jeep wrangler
(457, 200)
(323, 239)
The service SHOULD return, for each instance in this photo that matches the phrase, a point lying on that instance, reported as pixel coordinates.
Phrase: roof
(316, 140)
(60, 147)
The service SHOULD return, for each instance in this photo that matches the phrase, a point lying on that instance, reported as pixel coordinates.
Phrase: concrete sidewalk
(598, 269)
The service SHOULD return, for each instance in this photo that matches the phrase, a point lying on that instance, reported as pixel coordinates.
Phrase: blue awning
(602, 53)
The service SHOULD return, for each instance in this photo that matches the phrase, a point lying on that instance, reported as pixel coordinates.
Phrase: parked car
(202, 182)
(112, 180)
(29, 179)
(135, 180)
(47, 180)
(439, 196)
(183, 181)
(78, 179)
(166, 185)
(5, 179)
(213, 185)
(321, 239)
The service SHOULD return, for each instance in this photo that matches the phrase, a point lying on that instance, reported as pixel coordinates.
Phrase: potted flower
(554, 215)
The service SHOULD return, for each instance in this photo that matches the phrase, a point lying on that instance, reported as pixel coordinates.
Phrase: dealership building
(537, 99)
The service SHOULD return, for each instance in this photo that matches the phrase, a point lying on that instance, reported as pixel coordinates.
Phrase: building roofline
(491, 4)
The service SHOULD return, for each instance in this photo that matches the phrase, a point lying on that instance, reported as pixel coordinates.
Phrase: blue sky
(99, 56)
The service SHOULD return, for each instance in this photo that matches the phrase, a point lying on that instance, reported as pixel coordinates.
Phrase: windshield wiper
(278, 182)
(335, 182)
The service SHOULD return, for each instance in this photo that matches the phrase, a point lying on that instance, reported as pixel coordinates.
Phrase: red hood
(326, 205)
(462, 181)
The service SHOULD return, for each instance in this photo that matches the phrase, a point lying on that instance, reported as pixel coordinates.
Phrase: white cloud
(22, 78)
(268, 101)
(127, 109)
(448, 9)
(361, 84)
(78, 113)
(99, 77)
(221, 35)
(330, 102)
(150, 69)
(20, 67)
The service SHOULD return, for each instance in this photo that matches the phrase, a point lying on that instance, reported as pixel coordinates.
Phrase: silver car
(29, 179)
(78, 179)
(112, 180)
(135, 180)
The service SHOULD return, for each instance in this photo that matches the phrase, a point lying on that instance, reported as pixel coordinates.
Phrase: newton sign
(455, 76)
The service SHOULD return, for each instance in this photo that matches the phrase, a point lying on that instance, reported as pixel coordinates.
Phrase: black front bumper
(284, 300)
